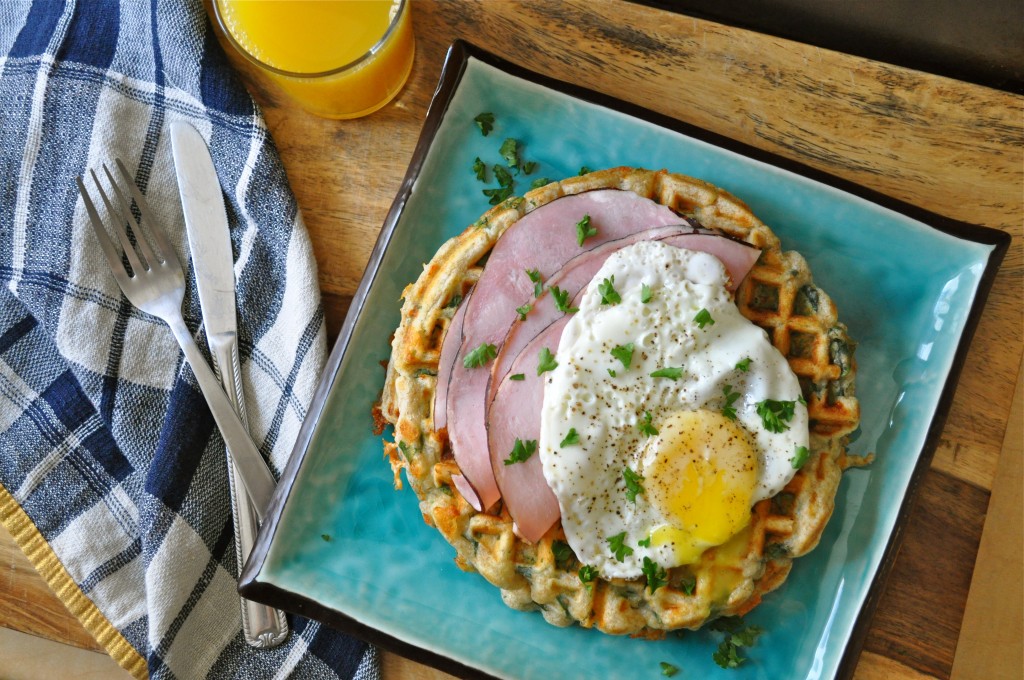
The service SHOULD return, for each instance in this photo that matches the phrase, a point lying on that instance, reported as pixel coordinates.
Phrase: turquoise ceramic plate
(343, 546)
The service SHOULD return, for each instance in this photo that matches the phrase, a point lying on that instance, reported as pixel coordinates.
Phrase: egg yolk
(700, 473)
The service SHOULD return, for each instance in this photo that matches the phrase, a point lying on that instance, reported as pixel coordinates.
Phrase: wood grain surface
(948, 146)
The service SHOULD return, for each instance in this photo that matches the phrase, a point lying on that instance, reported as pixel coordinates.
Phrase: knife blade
(209, 240)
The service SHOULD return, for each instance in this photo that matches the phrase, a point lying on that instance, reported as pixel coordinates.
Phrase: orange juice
(336, 58)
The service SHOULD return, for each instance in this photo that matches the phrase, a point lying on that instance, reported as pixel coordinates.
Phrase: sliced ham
(449, 353)
(545, 240)
(515, 414)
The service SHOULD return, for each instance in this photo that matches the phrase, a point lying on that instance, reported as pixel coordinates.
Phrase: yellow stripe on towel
(42, 557)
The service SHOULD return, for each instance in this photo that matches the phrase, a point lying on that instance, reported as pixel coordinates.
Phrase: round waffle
(778, 295)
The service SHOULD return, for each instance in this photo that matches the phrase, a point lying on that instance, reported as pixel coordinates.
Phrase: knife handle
(262, 625)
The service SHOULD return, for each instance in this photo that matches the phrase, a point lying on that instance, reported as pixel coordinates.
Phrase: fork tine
(109, 250)
(163, 245)
(141, 242)
(118, 227)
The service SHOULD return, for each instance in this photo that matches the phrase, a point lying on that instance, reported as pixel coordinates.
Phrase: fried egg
(667, 416)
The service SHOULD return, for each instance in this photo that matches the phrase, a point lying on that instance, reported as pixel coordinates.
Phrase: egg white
(605, 410)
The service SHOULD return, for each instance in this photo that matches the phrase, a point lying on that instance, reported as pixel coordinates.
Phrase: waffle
(778, 295)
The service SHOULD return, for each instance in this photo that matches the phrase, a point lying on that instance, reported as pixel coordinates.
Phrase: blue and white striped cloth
(111, 469)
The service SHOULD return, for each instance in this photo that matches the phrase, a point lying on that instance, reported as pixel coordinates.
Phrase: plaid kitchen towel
(112, 474)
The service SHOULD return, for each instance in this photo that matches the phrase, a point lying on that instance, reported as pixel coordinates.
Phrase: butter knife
(209, 242)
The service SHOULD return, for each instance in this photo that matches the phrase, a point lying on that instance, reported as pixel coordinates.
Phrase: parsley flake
(562, 552)
(644, 542)
(326, 537)
(497, 195)
(546, 361)
(655, 573)
(743, 365)
(633, 484)
(667, 669)
(503, 176)
(609, 296)
(454, 302)
(775, 414)
(404, 448)
(800, 457)
(703, 318)
(562, 300)
(521, 451)
(572, 438)
(737, 636)
(517, 376)
(584, 230)
(688, 585)
(672, 373)
(617, 543)
(584, 170)
(623, 353)
(480, 356)
(480, 169)
(523, 311)
(539, 182)
(538, 283)
(485, 121)
(612, 373)
(528, 167)
(510, 152)
(645, 426)
(729, 411)
(587, 574)
(645, 293)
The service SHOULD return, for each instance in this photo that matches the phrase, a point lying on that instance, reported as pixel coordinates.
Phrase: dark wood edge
(456, 61)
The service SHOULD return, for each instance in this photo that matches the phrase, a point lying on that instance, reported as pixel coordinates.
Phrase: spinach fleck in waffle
(778, 295)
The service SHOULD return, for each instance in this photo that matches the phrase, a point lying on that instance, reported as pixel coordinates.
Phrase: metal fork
(156, 285)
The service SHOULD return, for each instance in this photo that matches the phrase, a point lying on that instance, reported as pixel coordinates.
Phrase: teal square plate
(341, 545)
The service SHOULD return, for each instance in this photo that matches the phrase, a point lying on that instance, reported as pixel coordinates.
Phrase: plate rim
(252, 583)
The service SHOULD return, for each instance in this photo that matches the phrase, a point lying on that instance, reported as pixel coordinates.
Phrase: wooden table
(952, 147)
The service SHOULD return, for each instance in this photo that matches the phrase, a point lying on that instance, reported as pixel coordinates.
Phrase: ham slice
(515, 414)
(545, 240)
(449, 353)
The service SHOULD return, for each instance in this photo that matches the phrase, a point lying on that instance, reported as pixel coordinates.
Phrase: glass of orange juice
(334, 58)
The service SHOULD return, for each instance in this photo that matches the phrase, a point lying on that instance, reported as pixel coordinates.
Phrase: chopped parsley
(644, 542)
(688, 585)
(667, 669)
(743, 365)
(562, 300)
(521, 451)
(645, 293)
(562, 552)
(800, 457)
(633, 484)
(404, 448)
(737, 636)
(572, 438)
(505, 185)
(775, 414)
(485, 121)
(703, 318)
(655, 573)
(672, 373)
(454, 302)
(503, 176)
(523, 311)
(480, 169)
(609, 296)
(612, 373)
(538, 284)
(623, 353)
(645, 426)
(480, 356)
(617, 543)
(587, 573)
(539, 182)
(584, 230)
(510, 152)
(584, 170)
(517, 376)
(326, 537)
(546, 361)
(498, 195)
(729, 411)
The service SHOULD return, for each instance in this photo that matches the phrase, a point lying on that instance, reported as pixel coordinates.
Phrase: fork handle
(254, 473)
